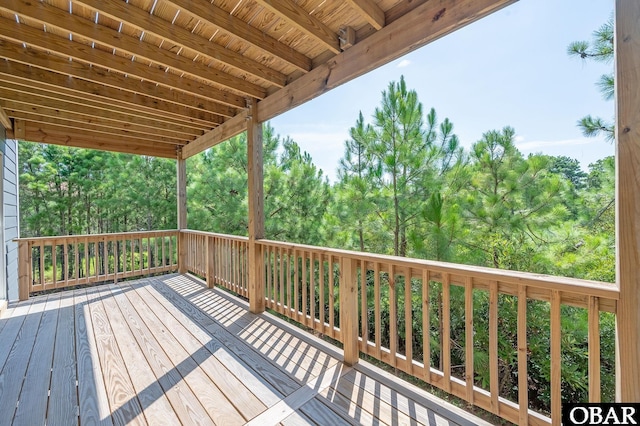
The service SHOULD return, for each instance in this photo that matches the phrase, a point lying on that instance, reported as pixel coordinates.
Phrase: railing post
(349, 310)
(210, 249)
(24, 270)
(256, 209)
(627, 91)
(182, 212)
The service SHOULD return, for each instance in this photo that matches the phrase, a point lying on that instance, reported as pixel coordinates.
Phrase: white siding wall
(10, 208)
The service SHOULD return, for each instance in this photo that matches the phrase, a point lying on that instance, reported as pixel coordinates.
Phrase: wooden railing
(376, 305)
(48, 263)
(361, 300)
(221, 259)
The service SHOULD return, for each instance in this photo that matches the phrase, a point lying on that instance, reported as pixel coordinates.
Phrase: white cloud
(518, 139)
(404, 63)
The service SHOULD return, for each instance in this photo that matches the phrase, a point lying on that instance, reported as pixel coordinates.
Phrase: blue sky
(510, 68)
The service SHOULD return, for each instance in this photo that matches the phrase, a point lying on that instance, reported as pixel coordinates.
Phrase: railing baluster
(305, 292)
(42, 280)
(331, 298)
(378, 314)
(523, 382)
(556, 355)
(594, 349)
(446, 331)
(408, 322)
(426, 326)
(468, 338)
(321, 313)
(281, 282)
(493, 347)
(54, 256)
(312, 289)
(393, 315)
(364, 318)
(296, 280)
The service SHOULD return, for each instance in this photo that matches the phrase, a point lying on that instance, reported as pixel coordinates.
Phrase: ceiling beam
(394, 40)
(423, 25)
(87, 98)
(20, 33)
(52, 16)
(5, 121)
(221, 19)
(227, 130)
(370, 11)
(151, 24)
(78, 126)
(302, 20)
(59, 108)
(59, 135)
(27, 56)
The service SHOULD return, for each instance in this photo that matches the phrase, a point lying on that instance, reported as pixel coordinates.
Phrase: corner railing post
(210, 250)
(24, 270)
(349, 310)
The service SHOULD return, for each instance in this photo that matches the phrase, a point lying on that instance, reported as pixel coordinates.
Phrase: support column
(349, 310)
(627, 64)
(256, 209)
(181, 167)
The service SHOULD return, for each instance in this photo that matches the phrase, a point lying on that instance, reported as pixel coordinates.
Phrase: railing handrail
(548, 282)
(214, 234)
(96, 236)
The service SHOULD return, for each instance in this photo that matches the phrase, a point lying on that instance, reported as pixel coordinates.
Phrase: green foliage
(405, 187)
(67, 191)
(600, 49)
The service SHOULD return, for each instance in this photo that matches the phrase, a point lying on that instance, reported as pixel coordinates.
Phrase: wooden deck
(167, 350)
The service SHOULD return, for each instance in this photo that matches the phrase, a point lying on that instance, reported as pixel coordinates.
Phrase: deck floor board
(168, 350)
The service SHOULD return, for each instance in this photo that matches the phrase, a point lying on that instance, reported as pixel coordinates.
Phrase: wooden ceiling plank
(370, 11)
(81, 98)
(97, 76)
(5, 121)
(394, 40)
(54, 100)
(217, 17)
(79, 127)
(19, 33)
(227, 130)
(77, 26)
(58, 135)
(182, 37)
(300, 18)
(59, 109)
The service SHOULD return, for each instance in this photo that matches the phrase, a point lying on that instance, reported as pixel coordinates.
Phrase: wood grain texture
(184, 402)
(627, 127)
(32, 407)
(180, 36)
(217, 17)
(17, 359)
(256, 207)
(123, 402)
(63, 399)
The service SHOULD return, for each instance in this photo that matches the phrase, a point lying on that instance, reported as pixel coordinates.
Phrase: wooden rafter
(29, 86)
(300, 18)
(56, 64)
(18, 33)
(409, 32)
(79, 125)
(213, 15)
(370, 11)
(5, 121)
(57, 108)
(60, 135)
(54, 17)
(179, 36)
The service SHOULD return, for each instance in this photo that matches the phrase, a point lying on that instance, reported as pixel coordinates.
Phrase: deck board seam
(297, 399)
